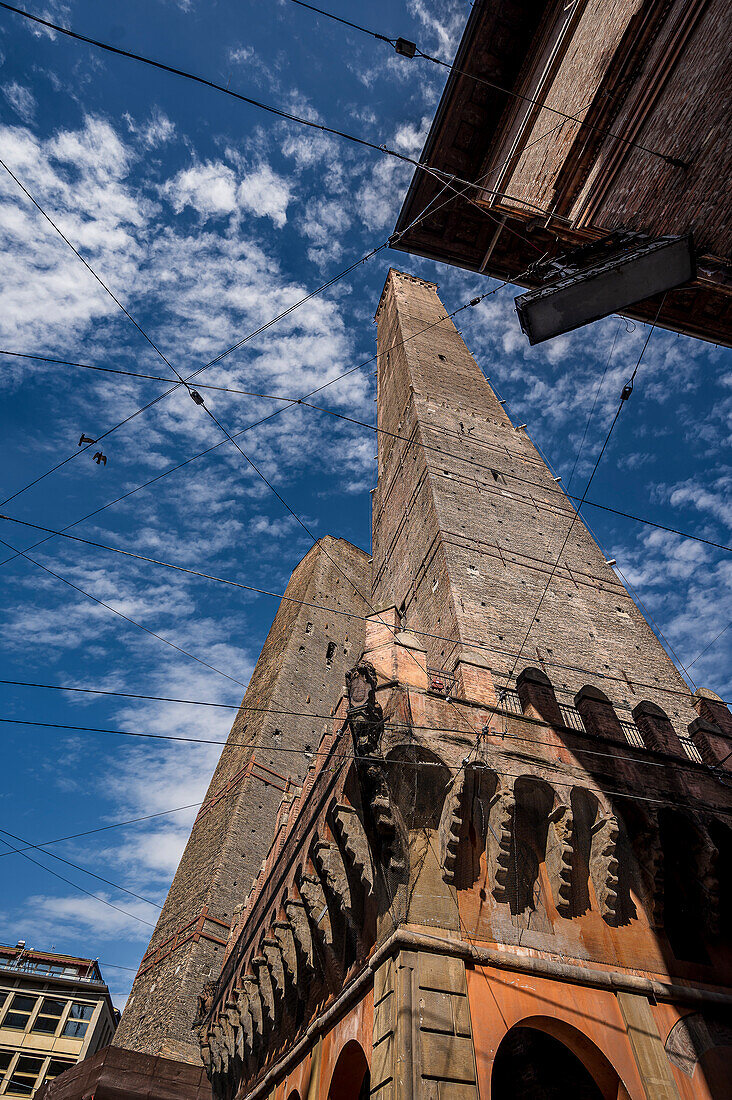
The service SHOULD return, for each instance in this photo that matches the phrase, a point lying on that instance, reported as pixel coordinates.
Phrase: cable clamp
(627, 390)
(195, 395)
(406, 48)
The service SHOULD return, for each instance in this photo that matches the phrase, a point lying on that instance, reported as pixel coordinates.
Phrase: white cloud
(715, 498)
(209, 188)
(241, 55)
(264, 193)
(157, 131)
(21, 100)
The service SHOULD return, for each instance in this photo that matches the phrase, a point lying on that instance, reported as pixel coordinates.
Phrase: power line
(103, 829)
(708, 646)
(393, 435)
(627, 390)
(475, 642)
(115, 611)
(70, 863)
(385, 150)
(415, 51)
(181, 380)
(76, 886)
(366, 759)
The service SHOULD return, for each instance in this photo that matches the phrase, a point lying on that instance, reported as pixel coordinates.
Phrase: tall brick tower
(467, 523)
(300, 670)
(507, 875)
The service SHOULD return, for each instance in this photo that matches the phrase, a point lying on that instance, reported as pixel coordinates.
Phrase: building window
(56, 1067)
(330, 652)
(6, 1057)
(78, 1021)
(19, 1012)
(23, 1078)
(49, 1015)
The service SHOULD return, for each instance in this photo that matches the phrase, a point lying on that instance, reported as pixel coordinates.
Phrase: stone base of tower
(118, 1074)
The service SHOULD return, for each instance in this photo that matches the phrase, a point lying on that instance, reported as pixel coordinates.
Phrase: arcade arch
(545, 1059)
(351, 1079)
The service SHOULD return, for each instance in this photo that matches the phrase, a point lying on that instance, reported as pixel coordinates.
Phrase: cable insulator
(196, 396)
(627, 390)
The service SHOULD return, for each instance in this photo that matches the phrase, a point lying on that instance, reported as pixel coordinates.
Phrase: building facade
(572, 120)
(55, 1011)
(504, 871)
(297, 680)
(507, 873)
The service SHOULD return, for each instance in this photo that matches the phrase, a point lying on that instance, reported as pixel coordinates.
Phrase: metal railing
(633, 735)
(508, 701)
(67, 974)
(572, 718)
(691, 750)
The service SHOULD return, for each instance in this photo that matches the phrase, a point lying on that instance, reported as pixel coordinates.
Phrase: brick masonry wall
(466, 539)
(673, 100)
(230, 839)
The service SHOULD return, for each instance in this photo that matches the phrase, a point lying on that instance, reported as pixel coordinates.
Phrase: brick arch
(351, 1077)
(594, 1079)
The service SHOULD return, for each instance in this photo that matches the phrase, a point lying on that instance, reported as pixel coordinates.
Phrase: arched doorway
(351, 1079)
(531, 1064)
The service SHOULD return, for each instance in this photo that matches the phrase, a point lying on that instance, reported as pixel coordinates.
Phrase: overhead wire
(708, 646)
(279, 112)
(402, 762)
(120, 614)
(532, 101)
(475, 642)
(104, 828)
(77, 866)
(76, 885)
(412, 442)
(627, 390)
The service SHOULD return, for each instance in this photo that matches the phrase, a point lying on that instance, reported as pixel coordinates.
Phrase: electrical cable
(491, 84)
(104, 828)
(393, 435)
(364, 759)
(228, 706)
(115, 611)
(286, 115)
(709, 646)
(70, 863)
(181, 380)
(76, 886)
(627, 390)
(475, 642)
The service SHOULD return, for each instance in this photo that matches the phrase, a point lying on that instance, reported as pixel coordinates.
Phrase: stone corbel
(604, 866)
(282, 930)
(331, 869)
(297, 914)
(560, 857)
(350, 828)
(266, 988)
(275, 965)
(708, 869)
(500, 840)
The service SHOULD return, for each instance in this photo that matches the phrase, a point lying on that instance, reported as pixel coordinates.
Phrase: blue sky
(206, 218)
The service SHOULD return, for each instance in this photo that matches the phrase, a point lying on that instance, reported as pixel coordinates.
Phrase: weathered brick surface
(467, 532)
(230, 839)
(657, 78)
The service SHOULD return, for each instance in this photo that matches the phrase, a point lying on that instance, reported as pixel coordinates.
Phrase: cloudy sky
(206, 218)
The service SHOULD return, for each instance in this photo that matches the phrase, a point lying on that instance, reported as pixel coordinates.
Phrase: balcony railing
(509, 702)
